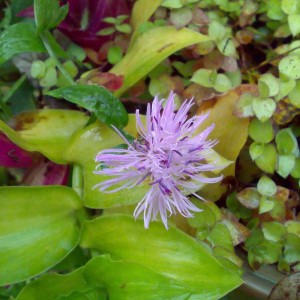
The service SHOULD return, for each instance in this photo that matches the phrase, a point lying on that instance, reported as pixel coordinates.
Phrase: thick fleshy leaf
(45, 131)
(56, 286)
(19, 38)
(12, 156)
(85, 144)
(150, 49)
(142, 11)
(38, 228)
(96, 99)
(231, 133)
(169, 252)
(131, 281)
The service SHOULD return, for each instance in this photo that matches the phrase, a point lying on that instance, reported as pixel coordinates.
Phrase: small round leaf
(266, 186)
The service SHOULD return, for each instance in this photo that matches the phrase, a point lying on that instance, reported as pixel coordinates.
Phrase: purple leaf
(45, 172)
(11, 156)
(84, 20)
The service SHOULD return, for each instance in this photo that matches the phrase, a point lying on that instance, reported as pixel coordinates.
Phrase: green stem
(52, 54)
(13, 88)
(77, 180)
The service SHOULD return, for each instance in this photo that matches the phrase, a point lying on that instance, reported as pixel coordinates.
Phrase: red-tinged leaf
(110, 81)
(12, 156)
(46, 172)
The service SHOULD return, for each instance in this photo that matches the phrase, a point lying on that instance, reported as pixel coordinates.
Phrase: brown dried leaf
(238, 231)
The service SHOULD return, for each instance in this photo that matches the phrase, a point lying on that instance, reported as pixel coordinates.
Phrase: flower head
(169, 155)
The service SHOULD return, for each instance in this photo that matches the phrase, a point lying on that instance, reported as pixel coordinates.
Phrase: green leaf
(274, 10)
(226, 47)
(38, 69)
(286, 142)
(294, 23)
(124, 28)
(46, 131)
(265, 205)
(222, 83)
(114, 54)
(286, 164)
(249, 197)
(50, 78)
(267, 252)
(206, 218)
(48, 14)
(38, 228)
(289, 6)
(129, 280)
(296, 170)
(267, 160)
(294, 94)
(181, 17)
(19, 38)
(268, 85)
(142, 11)
(107, 108)
(263, 108)
(291, 251)
(243, 107)
(235, 206)
(121, 18)
(273, 231)
(220, 236)
(151, 48)
(293, 226)
(54, 286)
(261, 132)
(110, 20)
(168, 252)
(290, 66)
(285, 87)
(266, 186)
(216, 30)
(204, 77)
(85, 144)
(106, 31)
(235, 78)
(255, 238)
(158, 87)
(185, 69)
(71, 68)
(172, 3)
(256, 150)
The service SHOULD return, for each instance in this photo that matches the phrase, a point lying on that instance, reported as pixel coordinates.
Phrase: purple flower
(169, 155)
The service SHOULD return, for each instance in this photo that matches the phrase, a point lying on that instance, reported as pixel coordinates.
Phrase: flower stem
(52, 54)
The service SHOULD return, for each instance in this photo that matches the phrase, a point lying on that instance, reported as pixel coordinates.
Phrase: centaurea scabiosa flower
(169, 155)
